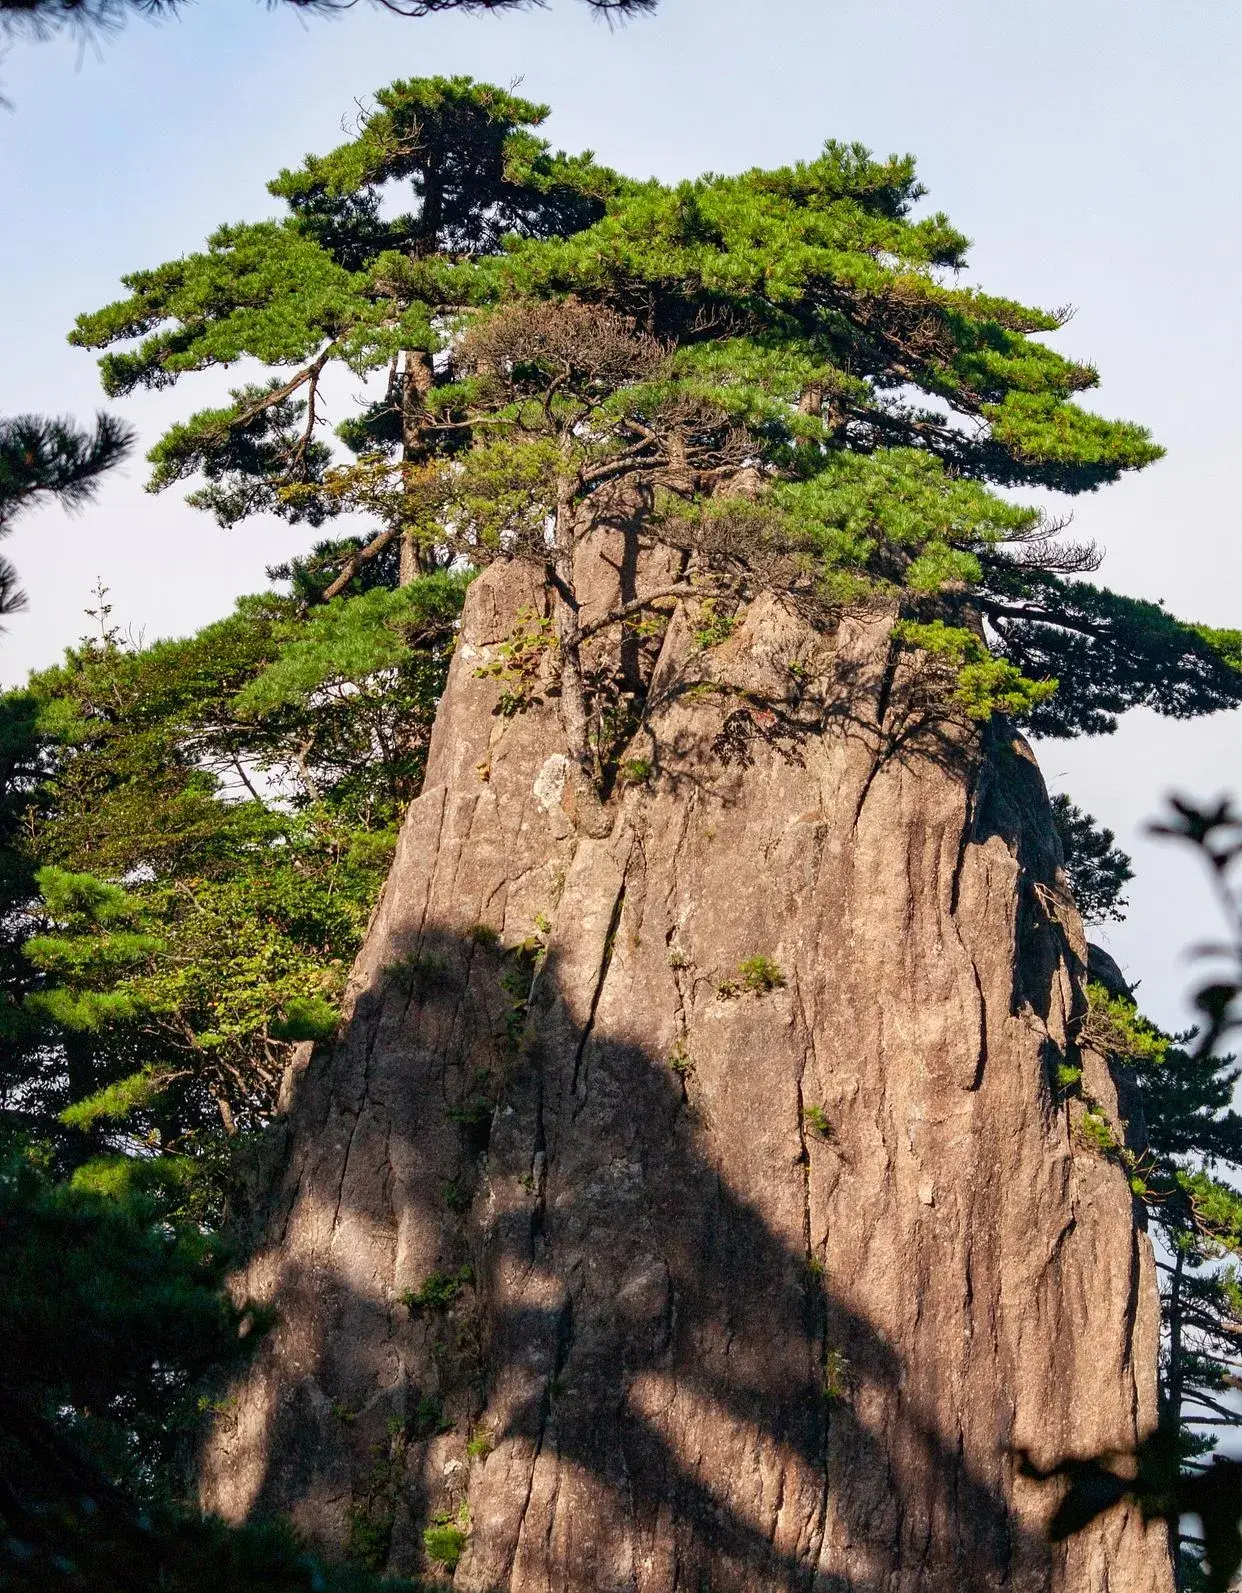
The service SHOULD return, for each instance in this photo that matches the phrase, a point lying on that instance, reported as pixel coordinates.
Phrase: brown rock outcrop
(747, 1246)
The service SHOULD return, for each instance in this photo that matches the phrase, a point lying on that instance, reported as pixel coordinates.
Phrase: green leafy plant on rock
(836, 1376)
(518, 663)
(680, 1060)
(445, 1540)
(635, 771)
(816, 1119)
(420, 974)
(760, 975)
(372, 1513)
(1095, 1131)
(438, 1291)
(1067, 1077)
(714, 626)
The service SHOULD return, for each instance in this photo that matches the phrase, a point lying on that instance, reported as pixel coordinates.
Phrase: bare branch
(356, 560)
(627, 610)
(309, 373)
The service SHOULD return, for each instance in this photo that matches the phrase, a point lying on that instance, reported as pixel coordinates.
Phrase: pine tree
(113, 1315)
(785, 363)
(1185, 1165)
(50, 458)
(192, 837)
(199, 829)
(336, 284)
(799, 354)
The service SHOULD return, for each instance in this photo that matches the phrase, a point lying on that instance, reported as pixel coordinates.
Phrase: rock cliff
(693, 1206)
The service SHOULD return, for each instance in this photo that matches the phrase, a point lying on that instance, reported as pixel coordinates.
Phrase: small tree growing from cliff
(1184, 1163)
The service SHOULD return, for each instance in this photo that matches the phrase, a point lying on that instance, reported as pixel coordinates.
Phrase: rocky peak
(691, 1204)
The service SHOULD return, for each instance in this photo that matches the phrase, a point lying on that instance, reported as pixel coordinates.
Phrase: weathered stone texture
(781, 1315)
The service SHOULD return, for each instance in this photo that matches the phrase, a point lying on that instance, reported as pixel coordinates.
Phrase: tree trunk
(720, 1273)
(417, 378)
(1174, 1385)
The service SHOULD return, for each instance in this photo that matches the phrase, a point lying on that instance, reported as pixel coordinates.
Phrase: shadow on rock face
(692, 1207)
(627, 1374)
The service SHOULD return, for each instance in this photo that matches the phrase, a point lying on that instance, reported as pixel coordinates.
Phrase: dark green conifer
(50, 458)
(113, 1314)
(201, 828)
(1185, 1165)
(191, 838)
(1097, 870)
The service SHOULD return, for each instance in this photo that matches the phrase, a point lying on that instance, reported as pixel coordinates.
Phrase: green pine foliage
(192, 836)
(116, 1328)
(115, 1323)
(42, 458)
(1097, 870)
(200, 829)
(1186, 1169)
(337, 283)
(550, 328)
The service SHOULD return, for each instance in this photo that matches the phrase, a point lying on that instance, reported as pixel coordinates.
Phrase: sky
(1089, 147)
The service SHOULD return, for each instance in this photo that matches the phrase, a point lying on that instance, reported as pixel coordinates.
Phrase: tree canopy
(192, 835)
(788, 365)
(549, 327)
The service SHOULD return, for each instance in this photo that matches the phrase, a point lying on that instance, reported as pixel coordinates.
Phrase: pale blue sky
(1091, 149)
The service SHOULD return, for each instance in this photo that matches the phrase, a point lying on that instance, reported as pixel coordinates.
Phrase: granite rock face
(744, 1239)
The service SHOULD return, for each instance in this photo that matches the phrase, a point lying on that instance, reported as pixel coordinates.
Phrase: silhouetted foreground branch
(1154, 1480)
(40, 18)
(1158, 1477)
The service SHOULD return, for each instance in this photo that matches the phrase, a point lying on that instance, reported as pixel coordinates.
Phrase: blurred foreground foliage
(192, 836)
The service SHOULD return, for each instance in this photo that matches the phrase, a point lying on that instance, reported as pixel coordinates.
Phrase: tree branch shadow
(634, 1332)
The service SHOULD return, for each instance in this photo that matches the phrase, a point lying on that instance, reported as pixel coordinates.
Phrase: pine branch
(356, 560)
(40, 19)
(1191, 1397)
(40, 455)
(626, 611)
(1046, 616)
(51, 457)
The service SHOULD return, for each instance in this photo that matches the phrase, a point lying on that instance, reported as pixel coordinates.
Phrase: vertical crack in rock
(880, 732)
(977, 1082)
(605, 963)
